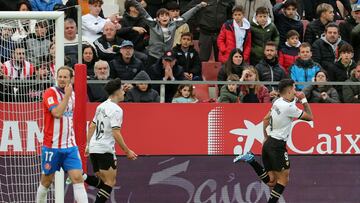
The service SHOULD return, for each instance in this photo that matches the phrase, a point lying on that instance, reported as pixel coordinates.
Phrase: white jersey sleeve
(116, 118)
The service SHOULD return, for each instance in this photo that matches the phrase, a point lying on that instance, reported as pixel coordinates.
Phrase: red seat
(205, 93)
(210, 70)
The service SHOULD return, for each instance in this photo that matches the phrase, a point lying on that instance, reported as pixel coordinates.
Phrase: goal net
(30, 51)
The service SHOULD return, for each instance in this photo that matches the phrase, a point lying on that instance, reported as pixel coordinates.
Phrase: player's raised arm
(307, 113)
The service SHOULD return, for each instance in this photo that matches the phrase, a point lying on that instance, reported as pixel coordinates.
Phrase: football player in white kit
(103, 132)
(277, 127)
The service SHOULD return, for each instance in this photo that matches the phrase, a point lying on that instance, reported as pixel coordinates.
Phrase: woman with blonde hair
(253, 93)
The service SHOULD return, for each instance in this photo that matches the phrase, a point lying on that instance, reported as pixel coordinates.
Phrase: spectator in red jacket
(289, 53)
(235, 33)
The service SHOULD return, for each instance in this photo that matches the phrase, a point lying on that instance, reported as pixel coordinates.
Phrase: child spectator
(142, 92)
(253, 93)
(344, 65)
(162, 30)
(188, 58)
(290, 52)
(321, 93)
(185, 94)
(316, 28)
(304, 68)
(174, 13)
(229, 93)
(234, 65)
(250, 7)
(235, 33)
(262, 30)
(286, 19)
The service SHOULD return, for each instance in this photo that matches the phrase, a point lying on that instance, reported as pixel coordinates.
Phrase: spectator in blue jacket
(304, 68)
(43, 5)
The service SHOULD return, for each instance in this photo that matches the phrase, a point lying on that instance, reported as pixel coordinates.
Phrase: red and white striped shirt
(13, 71)
(58, 132)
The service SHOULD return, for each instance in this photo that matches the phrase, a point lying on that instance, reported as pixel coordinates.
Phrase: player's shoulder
(284, 104)
(49, 92)
(111, 106)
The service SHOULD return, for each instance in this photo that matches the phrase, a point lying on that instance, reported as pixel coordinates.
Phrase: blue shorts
(54, 159)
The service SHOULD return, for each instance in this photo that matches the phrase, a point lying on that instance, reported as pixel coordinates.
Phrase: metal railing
(164, 83)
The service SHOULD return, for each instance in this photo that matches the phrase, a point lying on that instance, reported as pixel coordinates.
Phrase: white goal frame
(58, 16)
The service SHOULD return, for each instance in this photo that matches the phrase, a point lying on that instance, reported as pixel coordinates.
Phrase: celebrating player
(277, 122)
(103, 132)
(59, 149)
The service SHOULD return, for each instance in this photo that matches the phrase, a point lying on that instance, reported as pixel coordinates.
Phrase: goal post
(24, 114)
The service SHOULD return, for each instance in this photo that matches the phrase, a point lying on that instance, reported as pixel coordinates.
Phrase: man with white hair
(96, 92)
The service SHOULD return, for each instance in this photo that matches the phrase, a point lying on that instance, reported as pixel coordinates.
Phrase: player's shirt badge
(50, 100)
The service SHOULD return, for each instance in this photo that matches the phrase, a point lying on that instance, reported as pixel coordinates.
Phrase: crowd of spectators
(254, 40)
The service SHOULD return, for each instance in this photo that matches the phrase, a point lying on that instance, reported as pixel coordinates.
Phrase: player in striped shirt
(59, 149)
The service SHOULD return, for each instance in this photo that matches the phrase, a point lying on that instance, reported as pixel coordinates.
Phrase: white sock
(41, 195)
(80, 194)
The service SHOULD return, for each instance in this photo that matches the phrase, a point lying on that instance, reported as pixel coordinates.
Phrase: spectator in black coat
(325, 50)
(138, 28)
(96, 91)
(210, 20)
(350, 30)
(286, 19)
(269, 68)
(166, 69)
(126, 66)
(188, 58)
(316, 28)
(308, 7)
(104, 44)
(142, 92)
